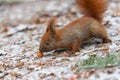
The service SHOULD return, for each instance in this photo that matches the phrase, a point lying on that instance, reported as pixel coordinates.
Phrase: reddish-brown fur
(76, 32)
(93, 8)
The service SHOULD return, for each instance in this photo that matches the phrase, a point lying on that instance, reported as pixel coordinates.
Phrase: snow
(20, 43)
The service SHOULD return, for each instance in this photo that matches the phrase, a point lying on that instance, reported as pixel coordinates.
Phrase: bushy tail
(93, 8)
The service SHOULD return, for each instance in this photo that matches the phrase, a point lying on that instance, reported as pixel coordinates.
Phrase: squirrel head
(50, 38)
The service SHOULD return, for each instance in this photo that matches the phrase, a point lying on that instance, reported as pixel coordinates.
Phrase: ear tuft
(51, 24)
(51, 28)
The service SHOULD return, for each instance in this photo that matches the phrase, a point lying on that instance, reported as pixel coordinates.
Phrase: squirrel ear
(50, 27)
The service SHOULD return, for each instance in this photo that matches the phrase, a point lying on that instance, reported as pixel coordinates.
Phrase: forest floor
(21, 28)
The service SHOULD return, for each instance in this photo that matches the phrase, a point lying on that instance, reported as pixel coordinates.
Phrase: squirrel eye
(47, 43)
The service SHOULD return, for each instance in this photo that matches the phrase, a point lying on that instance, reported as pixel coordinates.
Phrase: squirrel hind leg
(107, 40)
(100, 32)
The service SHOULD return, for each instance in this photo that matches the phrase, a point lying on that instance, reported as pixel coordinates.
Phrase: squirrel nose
(42, 49)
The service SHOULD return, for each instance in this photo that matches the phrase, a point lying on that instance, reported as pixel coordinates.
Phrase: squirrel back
(93, 8)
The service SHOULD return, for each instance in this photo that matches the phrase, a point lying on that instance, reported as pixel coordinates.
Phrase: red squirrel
(76, 32)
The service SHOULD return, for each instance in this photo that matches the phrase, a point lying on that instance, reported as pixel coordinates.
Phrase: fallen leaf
(20, 64)
(66, 54)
